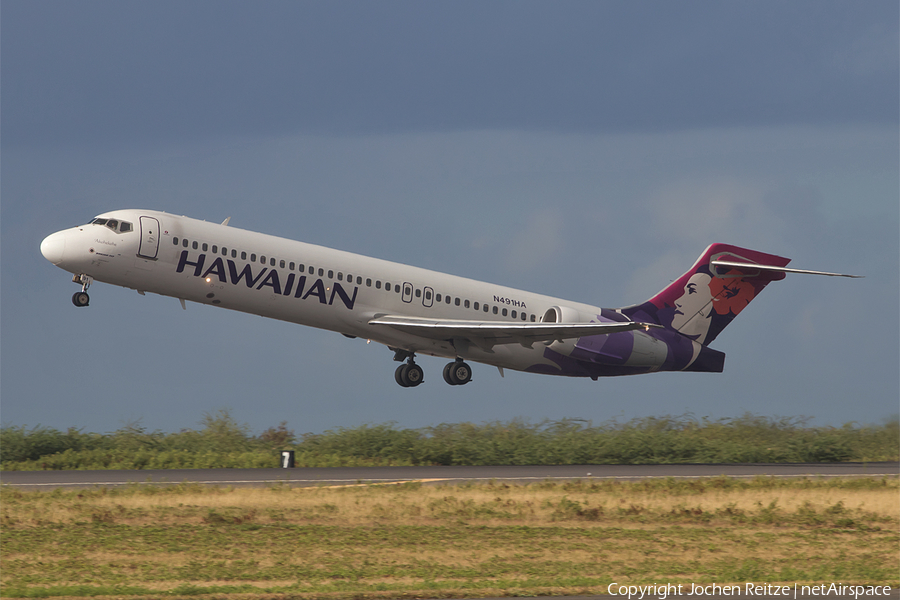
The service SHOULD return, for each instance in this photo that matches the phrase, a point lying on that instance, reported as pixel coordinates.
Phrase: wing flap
(486, 334)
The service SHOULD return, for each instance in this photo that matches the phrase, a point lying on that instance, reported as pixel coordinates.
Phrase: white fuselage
(301, 283)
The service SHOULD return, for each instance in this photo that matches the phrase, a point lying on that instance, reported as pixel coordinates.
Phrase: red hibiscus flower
(731, 293)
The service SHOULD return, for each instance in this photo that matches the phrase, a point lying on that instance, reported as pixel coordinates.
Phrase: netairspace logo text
(661, 591)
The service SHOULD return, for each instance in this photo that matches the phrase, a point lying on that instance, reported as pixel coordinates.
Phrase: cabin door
(149, 238)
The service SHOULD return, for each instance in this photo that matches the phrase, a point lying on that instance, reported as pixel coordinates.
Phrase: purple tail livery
(703, 301)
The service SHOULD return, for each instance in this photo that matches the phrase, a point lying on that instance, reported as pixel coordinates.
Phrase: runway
(304, 477)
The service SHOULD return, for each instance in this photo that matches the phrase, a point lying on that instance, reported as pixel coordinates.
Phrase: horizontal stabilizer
(486, 334)
(756, 267)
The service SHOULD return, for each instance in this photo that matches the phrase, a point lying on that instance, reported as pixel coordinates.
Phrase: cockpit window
(114, 224)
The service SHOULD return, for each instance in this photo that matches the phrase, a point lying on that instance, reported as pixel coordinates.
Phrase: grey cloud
(103, 71)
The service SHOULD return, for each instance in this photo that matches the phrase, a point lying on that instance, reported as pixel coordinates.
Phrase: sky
(584, 150)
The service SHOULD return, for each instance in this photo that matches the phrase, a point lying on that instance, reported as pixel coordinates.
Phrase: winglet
(225, 222)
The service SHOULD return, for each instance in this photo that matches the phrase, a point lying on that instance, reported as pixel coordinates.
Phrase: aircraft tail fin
(703, 301)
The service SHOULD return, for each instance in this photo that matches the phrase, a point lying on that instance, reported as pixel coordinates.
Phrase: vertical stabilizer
(703, 301)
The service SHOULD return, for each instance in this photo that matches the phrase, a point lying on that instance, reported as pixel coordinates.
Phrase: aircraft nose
(54, 247)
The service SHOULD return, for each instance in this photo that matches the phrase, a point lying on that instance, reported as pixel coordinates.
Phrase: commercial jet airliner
(417, 311)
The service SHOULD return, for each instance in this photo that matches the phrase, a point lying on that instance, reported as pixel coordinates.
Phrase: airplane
(413, 310)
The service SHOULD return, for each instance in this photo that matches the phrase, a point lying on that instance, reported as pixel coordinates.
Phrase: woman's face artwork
(694, 307)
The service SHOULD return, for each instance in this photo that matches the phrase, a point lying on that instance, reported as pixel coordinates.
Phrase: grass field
(414, 540)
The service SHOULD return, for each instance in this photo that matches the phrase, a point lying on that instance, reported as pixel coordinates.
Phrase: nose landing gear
(81, 298)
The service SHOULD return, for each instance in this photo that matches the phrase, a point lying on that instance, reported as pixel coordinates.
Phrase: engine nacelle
(564, 314)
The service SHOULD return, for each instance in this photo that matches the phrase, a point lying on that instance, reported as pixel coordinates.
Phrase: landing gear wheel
(457, 373)
(447, 368)
(413, 375)
(409, 375)
(398, 375)
(80, 299)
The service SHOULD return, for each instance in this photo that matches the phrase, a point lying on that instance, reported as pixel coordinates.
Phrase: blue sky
(587, 150)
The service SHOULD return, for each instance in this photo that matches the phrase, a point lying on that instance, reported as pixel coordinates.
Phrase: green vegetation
(671, 439)
(415, 540)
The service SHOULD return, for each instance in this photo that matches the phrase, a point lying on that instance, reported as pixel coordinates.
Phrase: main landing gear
(410, 374)
(81, 298)
(457, 373)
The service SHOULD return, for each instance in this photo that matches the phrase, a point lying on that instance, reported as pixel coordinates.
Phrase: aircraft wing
(486, 334)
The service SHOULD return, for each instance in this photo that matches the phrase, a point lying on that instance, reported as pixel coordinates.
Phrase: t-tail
(723, 281)
(703, 301)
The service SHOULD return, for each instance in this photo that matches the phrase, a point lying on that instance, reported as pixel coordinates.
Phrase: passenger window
(321, 272)
(447, 299)
(377, 285)
(301, 267)
(184, 243)
(397, 288)
(262, 259)
(532, 319)
(358, 280)
(281, 264)
(312, 270)
(253, 257)
(523, 316)
(290, 266)
(466, 304)
(272, 262)
(225, 251)
(438, 297)
(504, 312)
(485, 308)
(427, 295)
(495, 310)
(194, 245)
(175, 240)
(243, 255)
(205, 246)
(368, 282)
(215, 249)
(387, 286)
(514, 314)
(475, 306)
(418, 293)
(330, 274)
